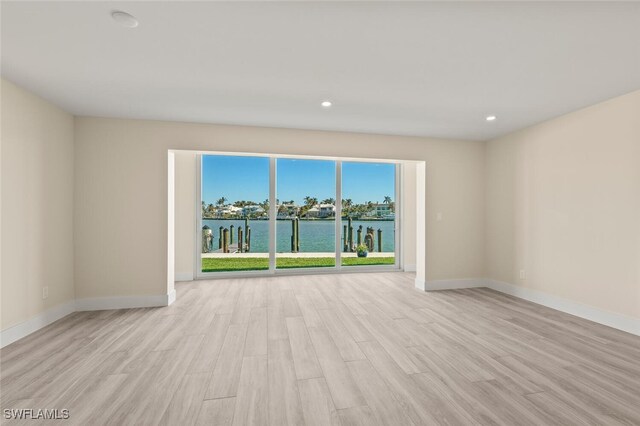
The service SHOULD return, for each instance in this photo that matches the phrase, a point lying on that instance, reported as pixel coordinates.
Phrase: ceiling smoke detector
(124, 19)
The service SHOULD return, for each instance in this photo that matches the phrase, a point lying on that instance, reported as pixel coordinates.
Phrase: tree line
(349, 208)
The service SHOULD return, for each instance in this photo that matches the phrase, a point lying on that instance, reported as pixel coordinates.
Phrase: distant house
(252, 210)
(326, 210)
(228, 210)
(287, 211)
(313, 212)
(322, 211)
(380, 210)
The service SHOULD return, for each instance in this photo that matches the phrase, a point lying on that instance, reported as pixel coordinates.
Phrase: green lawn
(260, 263)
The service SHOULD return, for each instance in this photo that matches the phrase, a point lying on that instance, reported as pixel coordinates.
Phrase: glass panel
(235, 213)
(305, 229)
(368, 213)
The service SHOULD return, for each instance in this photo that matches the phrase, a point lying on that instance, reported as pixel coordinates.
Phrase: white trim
(171, 297)
(197, 259)
(410, 268)
(455, 284)
(611, 319)
(338, 217)
(398, 219)
(273, 212)
(421, 222)
(600, 316)
(296, 156)
(184, 276)
(285, 272)
(52, 315)
(171, 220)
(41, 320)
(124, 302)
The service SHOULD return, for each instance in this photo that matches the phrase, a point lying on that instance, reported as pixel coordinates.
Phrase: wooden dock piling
(295, 235)
(369, 239)
(246, 233)
(345, 242)
(225, 244)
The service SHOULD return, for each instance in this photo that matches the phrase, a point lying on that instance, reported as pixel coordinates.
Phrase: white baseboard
(455, 284)
(409, 268)
(611, 319)
(25, 328)
(124, 302)
(184, 276)
(51, 315)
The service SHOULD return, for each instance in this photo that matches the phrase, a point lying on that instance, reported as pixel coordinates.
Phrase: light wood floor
(356, 349)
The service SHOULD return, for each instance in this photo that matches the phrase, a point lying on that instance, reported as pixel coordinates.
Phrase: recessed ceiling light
(491, 117)
(326, 104)
(124, 19)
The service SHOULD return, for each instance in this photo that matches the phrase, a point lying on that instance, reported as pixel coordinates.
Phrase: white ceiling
(432, 69)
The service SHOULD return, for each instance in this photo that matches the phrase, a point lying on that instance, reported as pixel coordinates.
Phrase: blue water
(316, 236)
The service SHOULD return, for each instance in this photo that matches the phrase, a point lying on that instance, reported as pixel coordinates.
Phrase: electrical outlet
(45, 292)
(522, 274)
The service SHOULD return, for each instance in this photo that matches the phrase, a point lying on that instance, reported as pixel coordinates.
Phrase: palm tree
(221, 201)
(387, 200)
(265, 205)
(329, 201)
(368, 207)
(347, 206)
(310, 201)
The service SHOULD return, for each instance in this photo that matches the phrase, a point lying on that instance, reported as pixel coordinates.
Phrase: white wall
(121, 175)
(563, 204)
(185, 214)
(560, 200)
(37, 206)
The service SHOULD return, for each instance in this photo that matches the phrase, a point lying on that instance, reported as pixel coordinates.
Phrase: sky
(247, 178)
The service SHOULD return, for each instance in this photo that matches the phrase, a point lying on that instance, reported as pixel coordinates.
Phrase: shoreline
(291, 255)
(303, 220)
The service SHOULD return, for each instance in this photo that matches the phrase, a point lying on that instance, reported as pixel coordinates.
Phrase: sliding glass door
(267, 214)
(368, 214)
(235, 213)
(305, 226)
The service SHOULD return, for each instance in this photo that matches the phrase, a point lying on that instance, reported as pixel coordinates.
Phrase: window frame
(272, 270)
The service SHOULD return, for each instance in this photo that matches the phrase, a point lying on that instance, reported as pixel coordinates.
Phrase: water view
(316, 236)
(236, 207)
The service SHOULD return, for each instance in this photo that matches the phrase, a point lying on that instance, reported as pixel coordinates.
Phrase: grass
(260, 263)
